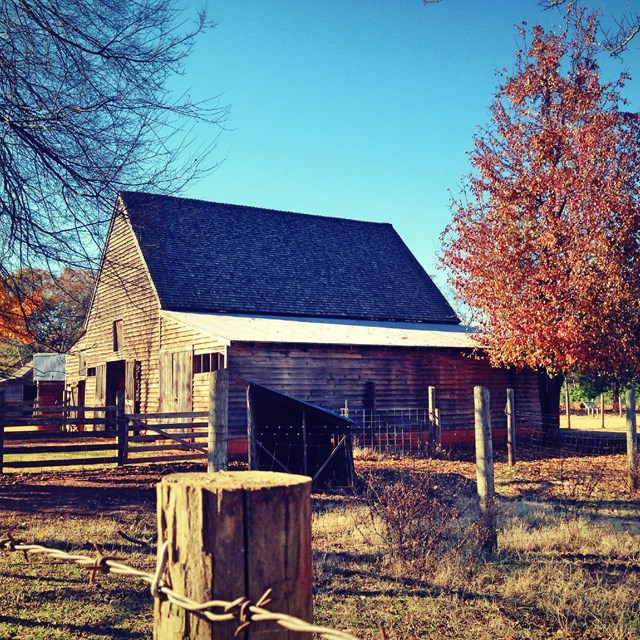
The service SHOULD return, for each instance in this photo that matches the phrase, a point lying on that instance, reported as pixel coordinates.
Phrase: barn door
(176, 381)
(100, 397)
(132, 386)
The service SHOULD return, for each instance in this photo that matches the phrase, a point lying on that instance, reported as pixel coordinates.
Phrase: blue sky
(359, 108)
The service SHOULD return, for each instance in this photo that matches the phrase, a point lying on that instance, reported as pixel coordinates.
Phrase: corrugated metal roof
(240, 328)
(49, 366)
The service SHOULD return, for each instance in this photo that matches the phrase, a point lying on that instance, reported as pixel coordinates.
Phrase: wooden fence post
(235, 534)
(122, 427)
(218, 441)
(511, 427)
(3, 414)
(484, 469)
(252, 448)
(632, 441)
(434, 439)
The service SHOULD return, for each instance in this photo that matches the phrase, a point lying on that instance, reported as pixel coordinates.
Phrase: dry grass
(567, 566)
(612, 422)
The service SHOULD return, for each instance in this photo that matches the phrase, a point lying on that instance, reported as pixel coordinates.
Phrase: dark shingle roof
(212, 257)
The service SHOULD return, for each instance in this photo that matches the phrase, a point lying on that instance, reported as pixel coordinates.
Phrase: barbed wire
(242, 610)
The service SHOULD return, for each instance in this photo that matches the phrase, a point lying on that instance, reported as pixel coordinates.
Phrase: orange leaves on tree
(15, 311)
(545, 241)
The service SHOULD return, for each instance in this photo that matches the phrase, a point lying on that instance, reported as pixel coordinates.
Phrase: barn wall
(177, 337)
(330, 375)
(123, 292)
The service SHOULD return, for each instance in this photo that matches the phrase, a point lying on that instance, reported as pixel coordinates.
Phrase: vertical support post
(252, 450)
(602, 410)
(632, 441)
(567, 401)
(484, 469)
(305, 451)
(218, 434)
(511, 427)
(231, 535)
(433, 436)
(122, 428)
(3, 415)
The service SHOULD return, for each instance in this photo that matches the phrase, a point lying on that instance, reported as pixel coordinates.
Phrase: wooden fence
(82, 436)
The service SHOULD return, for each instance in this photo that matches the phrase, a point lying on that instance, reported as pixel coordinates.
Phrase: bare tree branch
(85, 111)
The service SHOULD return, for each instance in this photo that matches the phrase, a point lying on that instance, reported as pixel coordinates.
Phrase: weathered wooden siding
(330, 375)
(123, 292)
(175, 337)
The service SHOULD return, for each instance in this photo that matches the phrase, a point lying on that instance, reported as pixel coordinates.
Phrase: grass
(44, 600)
(567, 565)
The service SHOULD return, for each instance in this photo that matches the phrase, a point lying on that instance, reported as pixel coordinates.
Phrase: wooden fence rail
(83, 436)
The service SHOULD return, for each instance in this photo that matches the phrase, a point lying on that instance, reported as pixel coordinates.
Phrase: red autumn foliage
(545, 241)
(44, 309)
(15, 310)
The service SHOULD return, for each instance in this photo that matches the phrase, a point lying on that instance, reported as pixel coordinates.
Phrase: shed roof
(237, 328)
(213, 257)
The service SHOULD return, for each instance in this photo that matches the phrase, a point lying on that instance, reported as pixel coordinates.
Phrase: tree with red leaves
(15, 311)
(41, 311)
(544, 245)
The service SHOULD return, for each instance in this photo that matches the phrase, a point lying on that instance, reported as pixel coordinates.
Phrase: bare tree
(615, 38)
(85, 111)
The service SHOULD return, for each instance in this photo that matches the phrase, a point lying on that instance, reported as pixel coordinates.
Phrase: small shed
(19, 390)
(49, 376)
(289, 435)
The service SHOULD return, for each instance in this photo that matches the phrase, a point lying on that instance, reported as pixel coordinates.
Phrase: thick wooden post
(218, 436)
(233, 534)
(632, 441)
(3, 415)
(484, 469)
(511, 427)
(122, 428)
(602, 410)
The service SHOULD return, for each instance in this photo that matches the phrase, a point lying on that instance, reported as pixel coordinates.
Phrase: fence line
(114, 437)
(242, 610)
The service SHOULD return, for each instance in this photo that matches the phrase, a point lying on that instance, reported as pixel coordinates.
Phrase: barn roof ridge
(256, 208)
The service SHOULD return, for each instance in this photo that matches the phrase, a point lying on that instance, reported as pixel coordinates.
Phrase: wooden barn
(329, 311)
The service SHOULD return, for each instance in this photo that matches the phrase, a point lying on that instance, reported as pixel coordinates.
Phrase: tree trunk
(615, 393)
(549, 389)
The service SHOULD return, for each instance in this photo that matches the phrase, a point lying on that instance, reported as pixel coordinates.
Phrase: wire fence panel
(391, 430)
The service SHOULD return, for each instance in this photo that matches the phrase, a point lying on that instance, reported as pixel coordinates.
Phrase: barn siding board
(330, 375)
(177, 336)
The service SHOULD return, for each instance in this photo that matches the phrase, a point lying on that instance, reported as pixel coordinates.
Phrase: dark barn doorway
(115, 381)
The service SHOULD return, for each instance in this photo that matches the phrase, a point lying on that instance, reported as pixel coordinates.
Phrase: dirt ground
(92, 491)
(116, 507)
(112, 489)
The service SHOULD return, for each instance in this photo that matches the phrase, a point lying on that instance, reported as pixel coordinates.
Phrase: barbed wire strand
(243, 610)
